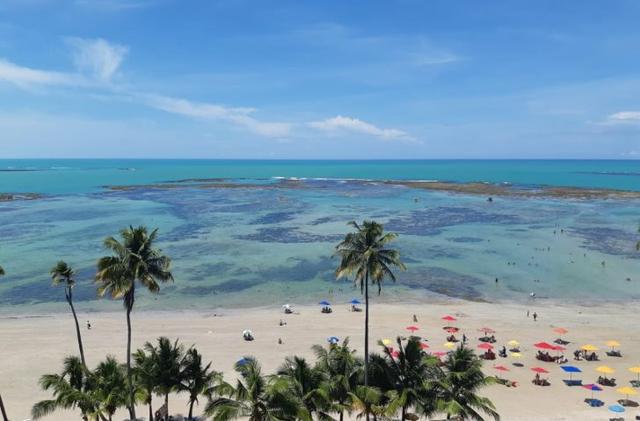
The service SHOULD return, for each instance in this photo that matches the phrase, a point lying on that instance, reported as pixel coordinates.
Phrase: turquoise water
(274, 244)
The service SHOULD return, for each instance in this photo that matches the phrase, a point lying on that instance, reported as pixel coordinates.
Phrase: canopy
(613, 344)
(324, 303)
(412, 328)
(560, 330)
(589, 347)
(544, 345)
(616, 408)
(500, 368)
(605, 369)
(355, 302)
(592, 387)
(539, 370)
(449, 345)
(570, 369)
(486, 330)
(627, 391)
(449, 318)
(513, 342)
(485, 345)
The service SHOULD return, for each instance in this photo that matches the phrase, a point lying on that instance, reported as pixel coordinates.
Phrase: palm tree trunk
(132, 404)
(191, 409)
(150, 407)
(404, 413)
(366, 332)
(4, 413)
(75, 318)
(166, 403)
(341, 416)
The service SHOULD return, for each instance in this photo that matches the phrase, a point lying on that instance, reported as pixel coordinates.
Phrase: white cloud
(98, 57)
(624, 117)
(355, 125)
(237, 116)
(26, 76)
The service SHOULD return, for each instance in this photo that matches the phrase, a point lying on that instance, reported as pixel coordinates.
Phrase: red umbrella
(423, 345)
(539, 370)
(395, 354)
(449, 318)
(452, 329)
(412, 328)
(486, 330)
(485, 345)
(559, 348)
(500, 368)
(439, 353)
(544, 345)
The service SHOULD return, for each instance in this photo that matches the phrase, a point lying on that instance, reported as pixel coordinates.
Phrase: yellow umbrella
(449, 345)
(589, 347)
(605, 369)
(513, 342)
(613, 344)
(516, 354)
(636, 370)
(386, 342)
(627, 391)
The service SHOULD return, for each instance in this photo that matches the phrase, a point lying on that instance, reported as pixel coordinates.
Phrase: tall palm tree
(342, 373)
(2, 410)
(254, 397)
(197, 379)
(305, 384)
(134, 259)
(167, 357)
(64, 274)
(458, 384)
(365, 256)
(365, 401)
(145, 375)
(110, 389)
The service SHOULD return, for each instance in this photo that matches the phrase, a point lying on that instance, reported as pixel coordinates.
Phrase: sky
(294, 79)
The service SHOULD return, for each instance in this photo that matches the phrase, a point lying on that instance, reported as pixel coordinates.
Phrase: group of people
(546, 357)
(580, 354)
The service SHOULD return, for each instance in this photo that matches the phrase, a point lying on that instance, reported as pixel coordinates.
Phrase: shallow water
(263, 246)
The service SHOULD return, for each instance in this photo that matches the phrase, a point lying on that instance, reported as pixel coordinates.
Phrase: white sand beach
(32, 346)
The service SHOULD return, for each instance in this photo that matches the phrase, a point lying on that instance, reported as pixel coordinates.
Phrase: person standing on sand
(535, 316)
(88, 325)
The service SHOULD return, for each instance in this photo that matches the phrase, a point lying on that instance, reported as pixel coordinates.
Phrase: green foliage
(196, 378)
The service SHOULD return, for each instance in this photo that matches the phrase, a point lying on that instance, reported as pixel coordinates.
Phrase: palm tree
(196, 379)
(133, 259)
(145, 375)
(305, 384)
(364, 255)
(62, 273)
(403, 375)
(342, 373)
(2, 410)
(254, 397)
(71, 389)
(366, 401)
(167, 358)
(110, 389)
(458, 384)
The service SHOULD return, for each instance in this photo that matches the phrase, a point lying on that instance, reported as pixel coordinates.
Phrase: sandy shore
(31, 346)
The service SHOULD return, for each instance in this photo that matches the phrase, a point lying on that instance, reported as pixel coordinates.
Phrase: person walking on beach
(535, 316)
(88, 325)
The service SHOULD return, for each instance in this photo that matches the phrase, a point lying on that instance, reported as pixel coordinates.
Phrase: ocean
(273, 242)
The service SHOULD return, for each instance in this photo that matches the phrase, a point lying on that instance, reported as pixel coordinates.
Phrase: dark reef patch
(275, 218)
(288, 235)
(466, 240)
(611, 241)
(443, 281)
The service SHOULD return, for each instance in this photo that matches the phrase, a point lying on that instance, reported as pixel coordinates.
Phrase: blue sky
(319, 79)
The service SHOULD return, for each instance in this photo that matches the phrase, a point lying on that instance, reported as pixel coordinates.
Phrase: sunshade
(513, 342)
(486, 330)
(627, 391)
(613, 344)
(355, 302)
(539, 370)
(386, 342)
(485, 345)
(605, 369)
(242, 361)
(560, 330)
(570, 369)
(616, 408)
(559, 348)
(412, 328)
(516, 354)
(636, 370)
(592, 387)
(449, 318)
(544, 345)
(449, 345)
(589, 347)
(423, 345)
(324, 303)
(500, 368)
(452, 329)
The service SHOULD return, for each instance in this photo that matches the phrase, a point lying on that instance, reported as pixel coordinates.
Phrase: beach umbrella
(627, 391)
(439, 354)
(423, 345)
(500, 368)
(485, 345)
(613, 344)
(333, 339)
(605, 370)
(589, 347)
(395, 354)
(616, 408)
(570, 369)
(539, 370)
(412, 329)
(286, 306)
(592, 388)
(452, 329)
(544, 345)
(386, 342)
(355, 302)
(449, 318)
(560, 330)
(486, 330)
(449, 345)
(246, 332)
(513, 342)
(636, 370)
(516, 354)
(242, 361)
(559, 348)
(324, 303)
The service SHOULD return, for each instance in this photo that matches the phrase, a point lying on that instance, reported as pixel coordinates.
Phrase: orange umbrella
(560, 331)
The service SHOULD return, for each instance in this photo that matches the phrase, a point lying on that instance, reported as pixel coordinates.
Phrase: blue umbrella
(570, 369)
(616, 408)
(333, 339)
(355, 302)
(242, 361)
(324, 303)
